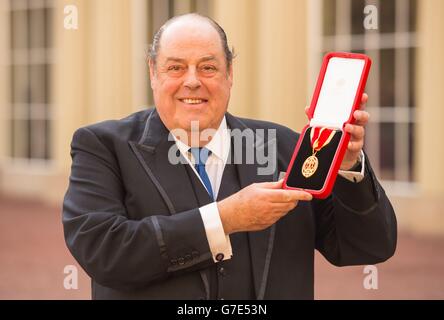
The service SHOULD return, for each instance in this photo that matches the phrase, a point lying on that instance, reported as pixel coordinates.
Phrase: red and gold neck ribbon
(320, 137)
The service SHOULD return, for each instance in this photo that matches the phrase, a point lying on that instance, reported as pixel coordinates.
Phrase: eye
(175, 68)
(208, 68)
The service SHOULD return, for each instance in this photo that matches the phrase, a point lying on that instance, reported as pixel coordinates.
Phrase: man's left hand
(357, 133)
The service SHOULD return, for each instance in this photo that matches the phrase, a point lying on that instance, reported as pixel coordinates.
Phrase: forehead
(189, 38)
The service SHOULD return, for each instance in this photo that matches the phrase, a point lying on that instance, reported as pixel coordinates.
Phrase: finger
(283, 207)
(286, 196)
(363, 103)
(361, 117)
(306, 110)
(364, 98)
(357, 132)
(271, 184)
(355, 146)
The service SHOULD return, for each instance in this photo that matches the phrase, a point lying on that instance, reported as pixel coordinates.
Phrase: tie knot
(200, 155)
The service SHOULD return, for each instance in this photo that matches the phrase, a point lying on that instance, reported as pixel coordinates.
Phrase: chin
(187, 118)
(202, 124)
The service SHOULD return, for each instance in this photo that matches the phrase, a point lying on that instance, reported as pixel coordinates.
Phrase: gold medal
(310, 166)
(319, 138)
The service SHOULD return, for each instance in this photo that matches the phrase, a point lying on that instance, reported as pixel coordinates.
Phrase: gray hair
(154, 47)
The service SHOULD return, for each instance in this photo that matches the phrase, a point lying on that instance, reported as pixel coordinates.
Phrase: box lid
(339, 89)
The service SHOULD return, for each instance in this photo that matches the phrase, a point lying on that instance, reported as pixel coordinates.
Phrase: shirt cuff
(354, 176)
(219, 242)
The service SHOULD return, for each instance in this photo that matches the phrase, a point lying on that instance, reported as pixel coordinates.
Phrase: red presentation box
(323, 142)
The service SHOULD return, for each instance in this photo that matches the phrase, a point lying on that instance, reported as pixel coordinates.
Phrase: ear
(152, 68)
(230, 74)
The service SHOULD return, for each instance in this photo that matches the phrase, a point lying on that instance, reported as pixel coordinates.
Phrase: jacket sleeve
(356, 224)
(115, 251)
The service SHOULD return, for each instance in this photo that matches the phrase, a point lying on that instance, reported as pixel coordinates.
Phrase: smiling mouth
(193, 100)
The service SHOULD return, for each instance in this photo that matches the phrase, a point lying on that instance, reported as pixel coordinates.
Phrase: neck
(199, 138)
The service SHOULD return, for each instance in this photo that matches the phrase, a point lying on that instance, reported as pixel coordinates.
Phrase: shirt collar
(219, 145)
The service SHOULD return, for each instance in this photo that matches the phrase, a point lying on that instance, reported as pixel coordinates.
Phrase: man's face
(190, 80)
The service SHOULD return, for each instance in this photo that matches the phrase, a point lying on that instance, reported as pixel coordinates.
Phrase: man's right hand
(258, 206)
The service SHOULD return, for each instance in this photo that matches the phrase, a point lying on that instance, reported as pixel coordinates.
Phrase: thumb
(306, 110)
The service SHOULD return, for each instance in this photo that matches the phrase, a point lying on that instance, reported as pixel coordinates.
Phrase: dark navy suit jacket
(132, 221)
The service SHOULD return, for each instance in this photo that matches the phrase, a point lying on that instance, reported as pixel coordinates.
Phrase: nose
(192, 82)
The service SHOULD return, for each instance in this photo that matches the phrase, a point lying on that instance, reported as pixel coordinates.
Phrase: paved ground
(33, 256)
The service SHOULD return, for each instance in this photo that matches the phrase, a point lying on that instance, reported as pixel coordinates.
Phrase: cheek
(166, 88)
(222, 92)
(219, 87)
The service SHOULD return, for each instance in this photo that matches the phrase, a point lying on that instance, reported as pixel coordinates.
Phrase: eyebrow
(203, 59)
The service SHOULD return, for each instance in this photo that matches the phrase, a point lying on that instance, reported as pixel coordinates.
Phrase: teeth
(193, 101)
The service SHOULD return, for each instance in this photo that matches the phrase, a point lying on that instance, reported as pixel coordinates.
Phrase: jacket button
(188, 258)
(195, 254)
(222, 271)
(173, 261)
(220, 257)
(181, 261)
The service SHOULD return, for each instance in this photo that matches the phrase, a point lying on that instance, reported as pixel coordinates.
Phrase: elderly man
(207, 227)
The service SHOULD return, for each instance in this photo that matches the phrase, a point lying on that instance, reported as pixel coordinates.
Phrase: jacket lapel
(170, 179)
(173, 180)
(261, 242)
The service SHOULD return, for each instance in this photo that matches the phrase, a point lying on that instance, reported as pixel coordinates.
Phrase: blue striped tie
(200, 157)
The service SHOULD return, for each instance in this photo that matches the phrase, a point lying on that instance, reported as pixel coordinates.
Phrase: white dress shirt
(219, 146)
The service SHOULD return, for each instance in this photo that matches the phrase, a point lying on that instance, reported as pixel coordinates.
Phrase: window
(392, 47)
(30, 79)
